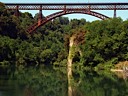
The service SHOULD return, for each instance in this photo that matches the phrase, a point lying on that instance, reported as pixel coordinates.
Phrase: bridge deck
(123, 3)
(67, 6)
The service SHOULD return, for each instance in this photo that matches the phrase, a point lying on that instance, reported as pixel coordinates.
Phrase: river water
(47, 81)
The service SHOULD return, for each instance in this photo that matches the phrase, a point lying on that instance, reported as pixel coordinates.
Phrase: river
(48, 81)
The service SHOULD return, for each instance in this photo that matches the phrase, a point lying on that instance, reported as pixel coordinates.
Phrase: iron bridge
(65, 8)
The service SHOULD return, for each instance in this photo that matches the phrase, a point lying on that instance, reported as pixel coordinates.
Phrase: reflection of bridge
(66, 8)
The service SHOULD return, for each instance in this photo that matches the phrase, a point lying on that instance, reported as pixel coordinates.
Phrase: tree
(105, 41)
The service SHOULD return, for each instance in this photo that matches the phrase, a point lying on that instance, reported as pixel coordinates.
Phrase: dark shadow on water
(41, 81)
(101, 84)
(45, 81)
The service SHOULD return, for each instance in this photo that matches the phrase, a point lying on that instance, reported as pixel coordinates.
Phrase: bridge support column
(40, 15)
(114, 12)
(89, 9)
(64, 9)
(16, 13)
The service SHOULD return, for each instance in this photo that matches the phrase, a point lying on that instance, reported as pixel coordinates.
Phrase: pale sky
(123, 14)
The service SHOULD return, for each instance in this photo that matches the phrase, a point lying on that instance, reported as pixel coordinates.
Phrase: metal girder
(68, 6)
(60, 13)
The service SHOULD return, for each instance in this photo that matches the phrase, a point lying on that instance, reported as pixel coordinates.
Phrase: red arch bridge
(66, 8)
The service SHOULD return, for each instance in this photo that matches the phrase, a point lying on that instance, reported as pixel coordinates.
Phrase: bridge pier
(89, 8)
(40, 15)
(17, 13)
(114, 12)
(64, 9)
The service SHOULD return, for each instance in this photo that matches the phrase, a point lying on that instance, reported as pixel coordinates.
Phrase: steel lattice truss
(68, 6)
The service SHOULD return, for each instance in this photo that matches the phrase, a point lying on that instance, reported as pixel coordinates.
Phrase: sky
(120, 13)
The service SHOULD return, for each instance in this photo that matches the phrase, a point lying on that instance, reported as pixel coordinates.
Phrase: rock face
(74, 41)
(121, 70)
(122, 65)
(69, 66)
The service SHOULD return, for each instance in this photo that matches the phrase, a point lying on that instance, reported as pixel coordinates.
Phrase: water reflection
(102, 84)
(38, 82)
(45, 81)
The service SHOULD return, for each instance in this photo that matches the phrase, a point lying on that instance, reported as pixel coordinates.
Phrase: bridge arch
(64, 12)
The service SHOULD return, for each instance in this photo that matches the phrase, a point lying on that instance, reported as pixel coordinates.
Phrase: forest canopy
(105, 43)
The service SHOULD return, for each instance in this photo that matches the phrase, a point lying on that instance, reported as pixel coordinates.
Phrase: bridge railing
(68, 6)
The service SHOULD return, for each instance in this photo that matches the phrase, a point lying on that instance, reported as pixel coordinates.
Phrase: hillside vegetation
(105, 42)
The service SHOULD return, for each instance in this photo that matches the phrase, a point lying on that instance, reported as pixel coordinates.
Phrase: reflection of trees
(93, 84)
(42, 82)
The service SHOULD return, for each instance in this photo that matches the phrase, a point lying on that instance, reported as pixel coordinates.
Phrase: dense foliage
(106, 42)
(24, 57)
